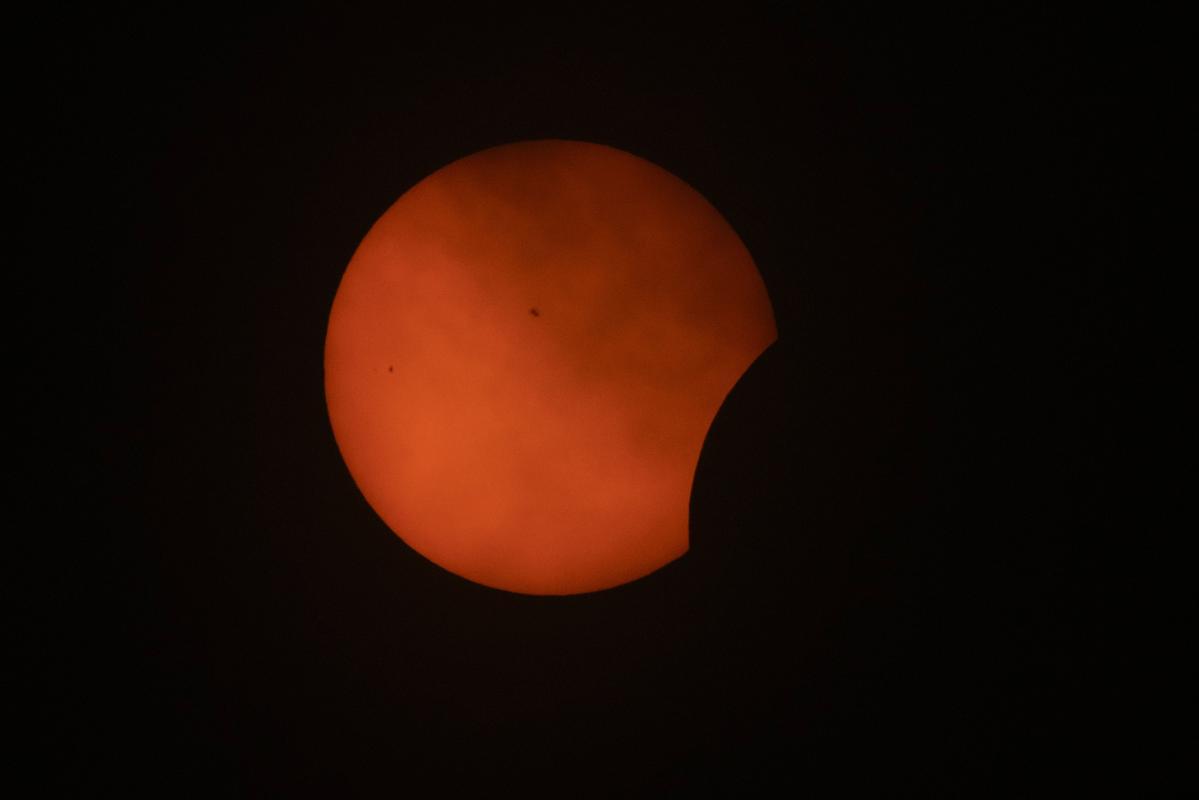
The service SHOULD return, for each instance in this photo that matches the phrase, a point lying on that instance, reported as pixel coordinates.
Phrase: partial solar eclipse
(524, 356)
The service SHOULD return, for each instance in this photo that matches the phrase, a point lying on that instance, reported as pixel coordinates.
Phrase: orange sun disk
(524, 356)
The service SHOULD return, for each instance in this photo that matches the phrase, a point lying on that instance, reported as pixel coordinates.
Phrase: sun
(523, 358)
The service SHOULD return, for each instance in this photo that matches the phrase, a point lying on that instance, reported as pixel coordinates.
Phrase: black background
(898, 518)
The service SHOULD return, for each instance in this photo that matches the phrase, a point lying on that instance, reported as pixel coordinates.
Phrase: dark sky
(894, 581)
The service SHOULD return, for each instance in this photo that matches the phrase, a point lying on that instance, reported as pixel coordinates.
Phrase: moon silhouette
(524, 356)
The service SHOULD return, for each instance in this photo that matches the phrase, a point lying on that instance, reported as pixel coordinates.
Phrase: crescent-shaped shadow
(758, 498)
(799, 480)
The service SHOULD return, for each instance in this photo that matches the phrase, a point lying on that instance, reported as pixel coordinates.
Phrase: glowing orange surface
(524, 356)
